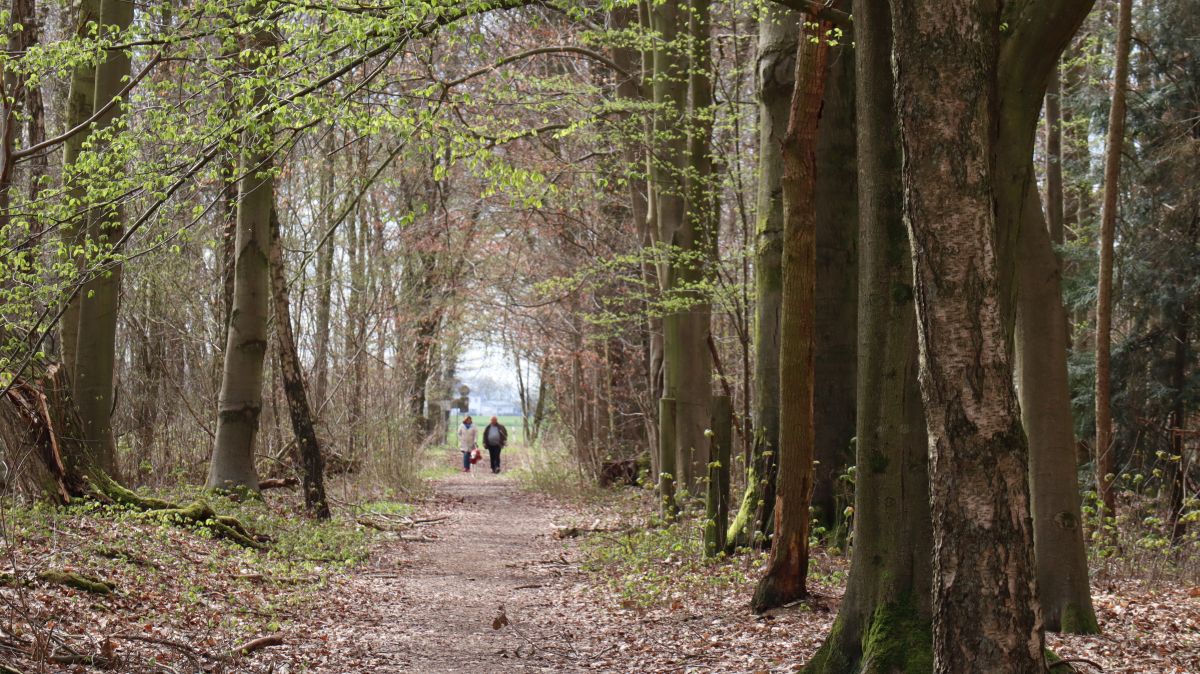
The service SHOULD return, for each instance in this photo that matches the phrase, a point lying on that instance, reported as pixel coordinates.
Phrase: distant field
(512, 423)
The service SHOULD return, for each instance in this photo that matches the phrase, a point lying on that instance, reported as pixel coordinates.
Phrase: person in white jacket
(467, 434)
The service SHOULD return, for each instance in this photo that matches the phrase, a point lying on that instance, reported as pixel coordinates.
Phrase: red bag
(476, 456)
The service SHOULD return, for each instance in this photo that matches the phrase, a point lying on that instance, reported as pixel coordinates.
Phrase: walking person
(467, 434)
(495, 436)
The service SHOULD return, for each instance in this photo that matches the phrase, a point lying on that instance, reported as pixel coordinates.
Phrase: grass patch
(662, 563)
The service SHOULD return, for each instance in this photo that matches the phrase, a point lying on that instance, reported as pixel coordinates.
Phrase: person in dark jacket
(495, 436)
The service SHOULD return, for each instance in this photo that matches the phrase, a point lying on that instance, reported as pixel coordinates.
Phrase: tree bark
(884, 622)
(1106, 464)
(777, 31)
(787, 569)
(985, 591)
(312, 463)
(240, 402)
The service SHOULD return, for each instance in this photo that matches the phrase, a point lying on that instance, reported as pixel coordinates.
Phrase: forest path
(429, 606)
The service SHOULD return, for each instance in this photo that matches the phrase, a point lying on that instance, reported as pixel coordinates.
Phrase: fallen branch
(77, 581)
(278, 483)
(258, 644)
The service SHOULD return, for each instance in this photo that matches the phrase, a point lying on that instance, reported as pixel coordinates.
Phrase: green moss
(1079, 620)
(78, 581)
(899, 640)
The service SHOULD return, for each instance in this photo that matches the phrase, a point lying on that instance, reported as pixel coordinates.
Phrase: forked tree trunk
(1106, 464)
(240, 402)
(308, 450)
(985, 589)
(884, 622)
(787, 570)
(777, 30)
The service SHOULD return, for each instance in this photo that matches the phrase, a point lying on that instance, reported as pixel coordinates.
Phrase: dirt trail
(432, 604)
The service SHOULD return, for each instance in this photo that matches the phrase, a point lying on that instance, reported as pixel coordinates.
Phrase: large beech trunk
(884, 621)
(787, 568)
(777, 30)
(985, 589)
(308, 450)
(837, 286)
(240, 402)
(1106, 463)
(93, 315)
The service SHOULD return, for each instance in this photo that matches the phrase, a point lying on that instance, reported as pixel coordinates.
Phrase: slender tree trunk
(312, 463)
(240, 403)
(1045, 396)
(686, 359)
(1178, 461)
(324, 275)
(837, 286)
(1105, 452)
(99, 297)
(777, 31)
(884, 622)
(985, 590)
(787, 569)
(1054, 158)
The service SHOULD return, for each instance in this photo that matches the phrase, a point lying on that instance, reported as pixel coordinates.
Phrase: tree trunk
(240, 402)
(777, 30)
(884, 622)
(324, 276)
(312, 463)
(985, 590)
(1045, 396)
(99, 297)
(1106, 464)
(80, 104)
(787, 569)
(1177, 463)
(685, 329)
(837, 286)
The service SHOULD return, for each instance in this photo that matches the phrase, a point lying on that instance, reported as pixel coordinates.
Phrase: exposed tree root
(258, 644)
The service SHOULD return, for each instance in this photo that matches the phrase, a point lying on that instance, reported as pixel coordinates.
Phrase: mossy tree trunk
(884, 622)
(777, 31)
(240, 402)
(985, 589)
(308, 450)
(787, 569)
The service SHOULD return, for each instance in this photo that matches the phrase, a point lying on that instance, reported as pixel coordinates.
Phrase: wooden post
(666, 453)
(716, 503)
